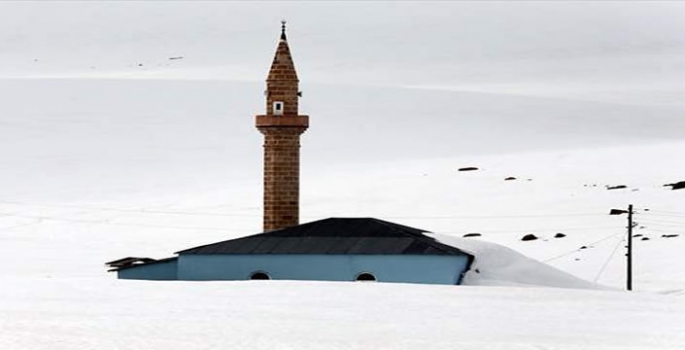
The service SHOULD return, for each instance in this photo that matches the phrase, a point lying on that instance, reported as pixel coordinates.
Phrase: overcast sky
(628, 52)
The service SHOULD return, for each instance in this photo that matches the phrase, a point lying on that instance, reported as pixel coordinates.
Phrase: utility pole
(629, 256)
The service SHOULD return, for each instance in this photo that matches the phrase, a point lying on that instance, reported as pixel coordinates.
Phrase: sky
(620, 52)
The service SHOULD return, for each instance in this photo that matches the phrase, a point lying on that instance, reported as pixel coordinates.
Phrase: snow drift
(496, 265)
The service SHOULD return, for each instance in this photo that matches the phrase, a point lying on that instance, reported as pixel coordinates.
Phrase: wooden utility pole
(629, 256)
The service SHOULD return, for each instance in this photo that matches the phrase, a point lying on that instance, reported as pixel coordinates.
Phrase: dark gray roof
(141, 262)
(128, 261)
(334, 236)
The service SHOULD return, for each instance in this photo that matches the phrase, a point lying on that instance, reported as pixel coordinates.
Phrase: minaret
(282, 127)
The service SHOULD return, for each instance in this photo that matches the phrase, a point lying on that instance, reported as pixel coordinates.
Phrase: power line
(670, 216)
(108, 223)
(675, 219)
(8, 228)
(137, 211)
(578, 249)
(606, 263)
(673, 224)
(493, 216)
(555, 229)
(185, 213)
(664, 231)
(663, 216)
(666, 212)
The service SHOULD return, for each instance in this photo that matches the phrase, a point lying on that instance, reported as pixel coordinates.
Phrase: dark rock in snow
(583, 247)
(559, 235)
(509, 178)
(529, 237)
(676, 185)
(471, 168)
(618, 187)
(645, 238)
(669, 236)
(638, 235)
(475, 234)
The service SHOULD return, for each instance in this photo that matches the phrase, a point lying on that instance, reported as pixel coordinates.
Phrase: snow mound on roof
(496, 265)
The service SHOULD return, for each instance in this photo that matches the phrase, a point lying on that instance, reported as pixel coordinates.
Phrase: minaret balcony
(282, 120)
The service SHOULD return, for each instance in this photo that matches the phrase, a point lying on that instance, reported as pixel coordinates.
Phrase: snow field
(110, 314)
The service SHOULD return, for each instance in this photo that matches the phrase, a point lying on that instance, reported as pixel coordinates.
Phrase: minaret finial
(283, 30)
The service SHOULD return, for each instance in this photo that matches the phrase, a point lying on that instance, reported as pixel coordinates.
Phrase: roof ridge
(224, 241)
(397, 227)
(420, 236)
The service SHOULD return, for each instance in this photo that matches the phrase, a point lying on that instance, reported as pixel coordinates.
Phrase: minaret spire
(282, 126)
(283, 30)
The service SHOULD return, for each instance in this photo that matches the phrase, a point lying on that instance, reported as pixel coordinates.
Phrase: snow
(103, 158)
(110, 314)
(495, 265)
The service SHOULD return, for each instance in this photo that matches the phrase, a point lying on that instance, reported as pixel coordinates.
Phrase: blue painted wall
(162, 271)
(432, 269)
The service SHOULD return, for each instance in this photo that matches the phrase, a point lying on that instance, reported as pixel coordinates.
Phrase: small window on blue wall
(366, 277)
(260, 275)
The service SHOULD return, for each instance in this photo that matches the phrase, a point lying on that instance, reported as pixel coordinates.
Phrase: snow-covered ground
(107, 314)
(111, 148)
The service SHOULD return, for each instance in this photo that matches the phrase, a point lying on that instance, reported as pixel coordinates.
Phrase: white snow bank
(109, 314)
(496, 265)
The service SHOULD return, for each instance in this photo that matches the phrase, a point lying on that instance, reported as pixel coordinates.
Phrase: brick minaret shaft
(282, 127)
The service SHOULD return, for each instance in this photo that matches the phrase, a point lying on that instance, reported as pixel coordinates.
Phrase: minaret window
(278, 108)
